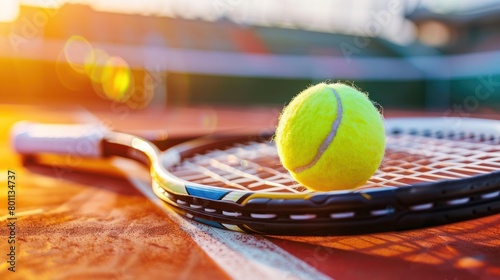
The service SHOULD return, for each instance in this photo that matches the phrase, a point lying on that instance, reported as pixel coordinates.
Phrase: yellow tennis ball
(331, 137)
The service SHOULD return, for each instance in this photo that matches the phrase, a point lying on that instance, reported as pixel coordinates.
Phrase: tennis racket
(435, 171)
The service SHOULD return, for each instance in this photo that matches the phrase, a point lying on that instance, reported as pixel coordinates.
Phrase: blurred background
(440, 55)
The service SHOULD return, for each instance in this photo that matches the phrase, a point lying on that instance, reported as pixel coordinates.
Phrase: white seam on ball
(329, 138)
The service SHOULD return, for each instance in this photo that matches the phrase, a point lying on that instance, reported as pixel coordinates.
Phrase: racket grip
(35, 138)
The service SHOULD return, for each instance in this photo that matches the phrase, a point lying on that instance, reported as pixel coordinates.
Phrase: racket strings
(409, 159)
(252, 166)
(413, 159)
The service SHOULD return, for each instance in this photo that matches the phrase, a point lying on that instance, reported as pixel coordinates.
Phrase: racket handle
(35, 138)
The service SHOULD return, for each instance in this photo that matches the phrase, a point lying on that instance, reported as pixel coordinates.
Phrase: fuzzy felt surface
(353, 154)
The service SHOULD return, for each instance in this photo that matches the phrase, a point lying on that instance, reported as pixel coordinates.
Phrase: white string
(409, 159)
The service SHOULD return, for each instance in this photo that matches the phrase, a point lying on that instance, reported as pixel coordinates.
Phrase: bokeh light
(78, 53)
(116, 79)
(71, 61)
(95, 68)
(79, 62)
(68, 76)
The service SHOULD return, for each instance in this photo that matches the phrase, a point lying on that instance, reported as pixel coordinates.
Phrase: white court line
(242, 256)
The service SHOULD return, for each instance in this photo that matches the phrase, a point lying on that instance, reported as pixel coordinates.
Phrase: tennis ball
(331, 137)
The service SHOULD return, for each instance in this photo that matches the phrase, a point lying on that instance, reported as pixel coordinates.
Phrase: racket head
(236, 182)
